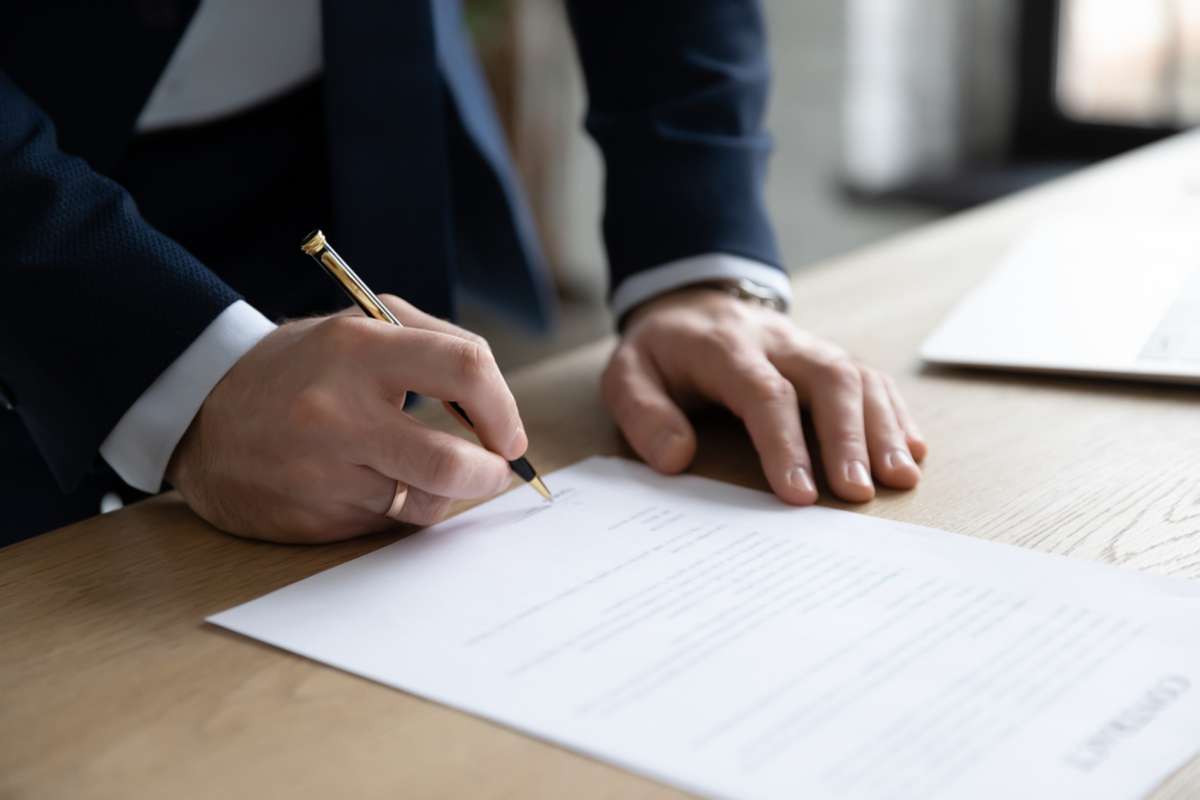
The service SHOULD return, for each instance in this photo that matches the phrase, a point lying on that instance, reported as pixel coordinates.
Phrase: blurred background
(886, 114)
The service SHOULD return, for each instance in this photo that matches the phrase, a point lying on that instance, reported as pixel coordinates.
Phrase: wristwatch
(748, 290)
(741, 288)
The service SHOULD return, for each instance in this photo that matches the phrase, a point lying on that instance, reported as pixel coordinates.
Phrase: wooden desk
(112, 686)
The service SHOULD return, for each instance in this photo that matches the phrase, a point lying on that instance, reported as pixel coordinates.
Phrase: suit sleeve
(94, 302)
(677, 90)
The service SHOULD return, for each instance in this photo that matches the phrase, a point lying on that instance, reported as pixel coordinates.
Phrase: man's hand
(701, 344)
(305, 438)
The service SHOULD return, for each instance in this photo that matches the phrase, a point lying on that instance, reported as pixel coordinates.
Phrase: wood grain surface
(112, 686)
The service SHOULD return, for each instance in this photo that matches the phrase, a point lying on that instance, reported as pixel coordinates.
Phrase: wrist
(173, 475)
(736, 291)
(140, 445)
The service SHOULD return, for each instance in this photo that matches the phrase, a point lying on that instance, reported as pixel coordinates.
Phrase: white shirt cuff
(642, 286)
(140, 446)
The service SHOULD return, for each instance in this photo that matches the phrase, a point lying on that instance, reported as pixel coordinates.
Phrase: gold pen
(316, 246)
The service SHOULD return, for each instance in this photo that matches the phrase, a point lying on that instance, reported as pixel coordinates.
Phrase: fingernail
(665, 443)
(798, 478)
(899, 459)
(858, 474)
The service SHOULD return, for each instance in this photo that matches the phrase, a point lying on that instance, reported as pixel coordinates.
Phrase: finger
(891, 461)
(413, 317)
(375, 492)
(442, 366)
(652, 423)
(410, 315)
(423, 508)
(916, 442)
(327, 502)
(430, 460)
(835, 393)
(362, 487)
(740, 376)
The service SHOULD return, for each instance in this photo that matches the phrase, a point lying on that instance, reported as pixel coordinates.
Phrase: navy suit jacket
(112, 260)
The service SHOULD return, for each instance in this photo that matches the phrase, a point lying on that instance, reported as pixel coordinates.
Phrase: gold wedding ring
(398, 499)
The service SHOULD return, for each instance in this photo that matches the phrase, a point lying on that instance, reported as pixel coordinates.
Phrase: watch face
(748, 290)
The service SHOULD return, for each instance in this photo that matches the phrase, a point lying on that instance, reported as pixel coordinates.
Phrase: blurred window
(1131, 63)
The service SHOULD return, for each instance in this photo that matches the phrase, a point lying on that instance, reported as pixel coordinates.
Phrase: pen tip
(541, 489)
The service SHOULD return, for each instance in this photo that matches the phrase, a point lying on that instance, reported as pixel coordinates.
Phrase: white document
(713, 638)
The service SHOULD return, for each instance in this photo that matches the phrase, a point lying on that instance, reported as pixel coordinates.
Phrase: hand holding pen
(335, 266)
(305, 439)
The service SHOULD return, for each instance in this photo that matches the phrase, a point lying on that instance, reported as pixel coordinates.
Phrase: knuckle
(850, 438)
(477, 339)
(770, 387)
(342, 335)
(446, 467)
(475, 361)
(841, 372)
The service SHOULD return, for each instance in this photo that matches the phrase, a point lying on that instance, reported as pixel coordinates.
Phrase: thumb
(654, 425)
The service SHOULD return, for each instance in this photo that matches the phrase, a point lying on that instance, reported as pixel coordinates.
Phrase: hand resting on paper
(703, 345)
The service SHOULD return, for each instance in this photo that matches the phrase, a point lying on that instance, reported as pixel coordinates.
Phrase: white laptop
(1111, 291)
